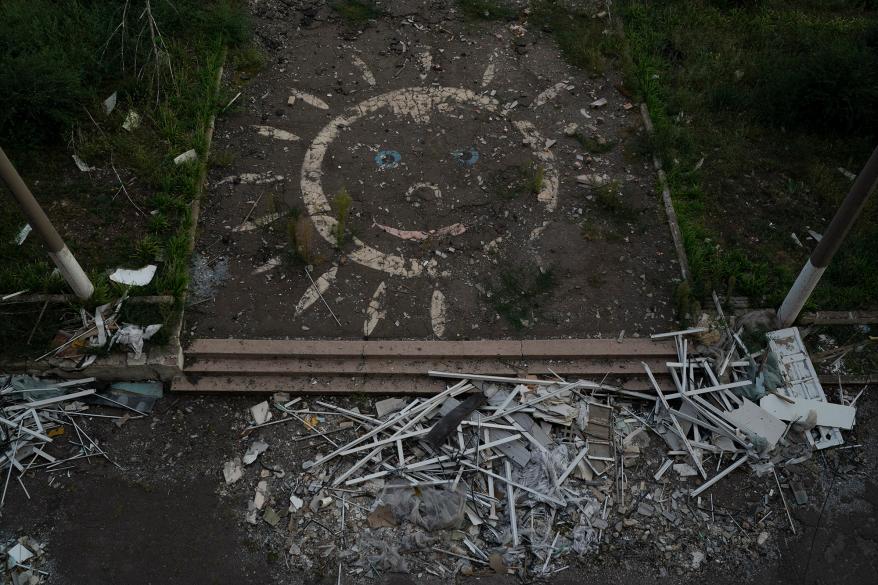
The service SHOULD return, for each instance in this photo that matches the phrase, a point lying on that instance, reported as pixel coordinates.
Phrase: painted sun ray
(276, 133)
(271, 264)
(375, 312)
(313, 292)
(549, 94)
(425, 63)
(249, 226)
(488, 75)
(311, 100)
(438, 313)
(364, 70)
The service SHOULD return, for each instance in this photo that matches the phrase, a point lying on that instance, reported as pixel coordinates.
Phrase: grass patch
(585, 41)
(513, 182)
(609, 198)
(58, 62)
(594, 144)
(755, 106)
(486, 10)
(356, 12)
(597, 231)
(517, 294)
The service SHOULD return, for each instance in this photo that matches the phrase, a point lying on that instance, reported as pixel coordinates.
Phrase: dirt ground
(167, 516)
(462, 175)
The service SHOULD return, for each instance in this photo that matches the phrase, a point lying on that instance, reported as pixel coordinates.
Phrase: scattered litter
(139, 277)
(599, 103)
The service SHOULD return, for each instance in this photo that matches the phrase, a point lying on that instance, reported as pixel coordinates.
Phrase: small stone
(762, 538)
(645, 509)
(271, 517)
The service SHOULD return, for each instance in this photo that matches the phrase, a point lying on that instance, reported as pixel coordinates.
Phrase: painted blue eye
(466, 156)
(387, 159)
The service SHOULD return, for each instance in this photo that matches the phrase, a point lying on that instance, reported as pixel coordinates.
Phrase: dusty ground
(452, 134)
(168, 517)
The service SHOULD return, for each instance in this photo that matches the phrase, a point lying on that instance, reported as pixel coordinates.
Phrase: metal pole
(58, 251)
(828, 245)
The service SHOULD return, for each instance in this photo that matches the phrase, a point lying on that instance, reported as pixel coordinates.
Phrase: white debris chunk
(132, 121)
(139, 277)
(233, 470)
(255, 449)
(81, 164)
(110, 104)
(188, 156)
(261, 413)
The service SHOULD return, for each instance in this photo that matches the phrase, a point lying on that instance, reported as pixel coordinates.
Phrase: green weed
(486, 10)
(517, 294)
(356, 12)
(584, 41)
(342, 203)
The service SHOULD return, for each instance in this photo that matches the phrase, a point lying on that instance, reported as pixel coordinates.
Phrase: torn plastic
(134, 336)
(432, 508)
(541, 475)
(387, 558)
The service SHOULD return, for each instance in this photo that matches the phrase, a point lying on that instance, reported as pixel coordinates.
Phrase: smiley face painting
(439, 208)
(458, 157)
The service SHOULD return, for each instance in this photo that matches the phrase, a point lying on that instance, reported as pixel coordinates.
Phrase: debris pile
(43, 424)
(523, 476)
(102, 331)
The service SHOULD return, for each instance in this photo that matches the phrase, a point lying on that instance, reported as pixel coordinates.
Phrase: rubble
(525, 475)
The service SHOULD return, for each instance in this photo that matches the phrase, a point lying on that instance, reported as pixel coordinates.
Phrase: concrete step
(400, 367)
